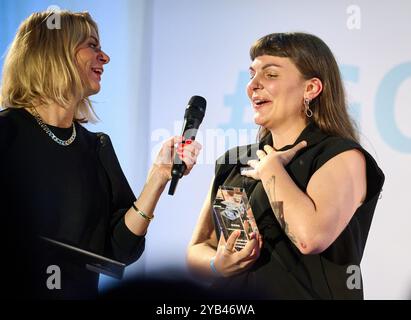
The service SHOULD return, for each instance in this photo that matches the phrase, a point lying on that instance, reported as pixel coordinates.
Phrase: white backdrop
(164, 51)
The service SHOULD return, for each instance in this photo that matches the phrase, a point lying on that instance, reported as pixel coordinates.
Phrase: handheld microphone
(193, 117)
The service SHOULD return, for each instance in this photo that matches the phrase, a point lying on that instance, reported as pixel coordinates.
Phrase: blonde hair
(40, 66)
(313, 58)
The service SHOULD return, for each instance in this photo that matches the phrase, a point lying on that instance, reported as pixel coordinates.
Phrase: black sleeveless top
(282, 271)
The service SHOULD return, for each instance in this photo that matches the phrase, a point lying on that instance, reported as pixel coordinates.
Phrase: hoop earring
(308, 112)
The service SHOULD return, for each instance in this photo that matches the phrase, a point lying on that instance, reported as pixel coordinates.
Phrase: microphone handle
(177, 171)
(178, 167)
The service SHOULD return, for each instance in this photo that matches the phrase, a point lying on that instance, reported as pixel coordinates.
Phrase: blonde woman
(58, 179)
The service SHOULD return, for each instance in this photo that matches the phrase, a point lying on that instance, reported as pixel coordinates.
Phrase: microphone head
(196, 108)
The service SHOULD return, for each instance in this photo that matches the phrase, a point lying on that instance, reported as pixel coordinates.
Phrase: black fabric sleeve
(355, 235)
(335, 146)
(122, 244)
(8, 131)
(332, 147)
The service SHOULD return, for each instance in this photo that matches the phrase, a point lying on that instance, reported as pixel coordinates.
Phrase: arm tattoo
(278, 209)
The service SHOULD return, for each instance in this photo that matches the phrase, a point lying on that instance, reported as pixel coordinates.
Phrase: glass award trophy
(233, 212)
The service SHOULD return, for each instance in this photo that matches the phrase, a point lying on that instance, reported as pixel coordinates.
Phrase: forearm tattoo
(278, 209)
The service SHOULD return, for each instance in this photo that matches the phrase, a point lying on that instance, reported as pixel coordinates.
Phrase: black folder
(91, 261)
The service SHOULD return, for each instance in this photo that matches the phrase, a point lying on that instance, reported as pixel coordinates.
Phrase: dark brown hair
(313, 59)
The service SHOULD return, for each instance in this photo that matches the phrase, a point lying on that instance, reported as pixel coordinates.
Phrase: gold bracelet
(142, 213)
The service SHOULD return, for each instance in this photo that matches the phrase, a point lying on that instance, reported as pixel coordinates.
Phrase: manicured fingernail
(188, 141)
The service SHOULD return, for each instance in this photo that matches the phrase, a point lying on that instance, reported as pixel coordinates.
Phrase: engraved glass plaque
(233, 212)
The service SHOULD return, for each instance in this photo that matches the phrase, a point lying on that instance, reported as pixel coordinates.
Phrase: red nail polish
(188, 141)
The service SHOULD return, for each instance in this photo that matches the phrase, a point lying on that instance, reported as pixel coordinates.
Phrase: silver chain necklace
(41, 123)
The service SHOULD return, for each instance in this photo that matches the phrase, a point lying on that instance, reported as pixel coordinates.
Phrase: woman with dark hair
(57, 179)
(312, 188)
